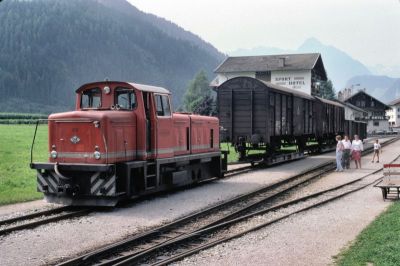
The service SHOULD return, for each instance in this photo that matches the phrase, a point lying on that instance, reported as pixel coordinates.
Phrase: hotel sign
(298, 80)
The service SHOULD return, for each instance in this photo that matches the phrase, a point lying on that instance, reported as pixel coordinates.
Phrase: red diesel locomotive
(123, 141)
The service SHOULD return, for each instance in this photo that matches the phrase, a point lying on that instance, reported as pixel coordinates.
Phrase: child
(377, 149)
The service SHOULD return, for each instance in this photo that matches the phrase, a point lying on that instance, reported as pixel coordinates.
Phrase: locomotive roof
(272, 62)
(149, 88)
(138, 86)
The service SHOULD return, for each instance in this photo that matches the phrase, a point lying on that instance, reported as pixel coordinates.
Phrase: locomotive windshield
(162, 105)
(125, 99)
(91, 98)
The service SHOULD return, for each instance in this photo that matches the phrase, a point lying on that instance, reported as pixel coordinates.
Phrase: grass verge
(17, 180)
(378, 244)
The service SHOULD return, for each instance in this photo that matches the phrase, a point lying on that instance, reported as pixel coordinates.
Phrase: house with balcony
(376, 117)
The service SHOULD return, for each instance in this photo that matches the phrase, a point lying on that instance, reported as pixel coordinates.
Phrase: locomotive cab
(122, 141)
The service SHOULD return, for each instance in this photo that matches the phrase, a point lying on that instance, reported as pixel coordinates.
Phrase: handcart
(390, 183)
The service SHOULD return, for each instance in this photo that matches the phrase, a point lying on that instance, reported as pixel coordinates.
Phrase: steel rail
(34, 215)
(53, 218)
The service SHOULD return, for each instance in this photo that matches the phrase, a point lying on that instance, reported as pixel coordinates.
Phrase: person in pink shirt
(356, 149)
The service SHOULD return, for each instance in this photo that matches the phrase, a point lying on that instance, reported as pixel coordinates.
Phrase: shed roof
(394, 102)
(269, 62)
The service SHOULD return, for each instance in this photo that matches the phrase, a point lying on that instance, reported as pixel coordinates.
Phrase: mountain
(339, 65)
(48, 48)
(384, 88)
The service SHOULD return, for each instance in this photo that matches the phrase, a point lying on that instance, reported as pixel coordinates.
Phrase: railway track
(39, 218)
(188, 233)
(227, 210)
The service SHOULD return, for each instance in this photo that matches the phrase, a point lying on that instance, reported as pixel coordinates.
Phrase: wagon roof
(271, 62)
(329, 101)
(288, 90)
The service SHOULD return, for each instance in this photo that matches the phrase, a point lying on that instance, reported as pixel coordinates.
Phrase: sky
(368, 30)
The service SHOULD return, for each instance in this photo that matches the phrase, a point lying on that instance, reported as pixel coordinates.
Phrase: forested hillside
(50, 47)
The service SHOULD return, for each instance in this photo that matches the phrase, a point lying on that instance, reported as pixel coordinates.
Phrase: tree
(198, 98)
(326, 90)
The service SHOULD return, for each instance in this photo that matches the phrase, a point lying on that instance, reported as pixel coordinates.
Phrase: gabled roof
(394, 102)
(270, 62)
(353, 107)
(361, 91)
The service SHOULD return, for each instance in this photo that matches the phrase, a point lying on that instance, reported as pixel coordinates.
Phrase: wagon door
(242, 113)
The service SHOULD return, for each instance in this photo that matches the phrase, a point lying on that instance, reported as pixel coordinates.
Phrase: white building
(394, 113)
(376, 118)
(301, 72)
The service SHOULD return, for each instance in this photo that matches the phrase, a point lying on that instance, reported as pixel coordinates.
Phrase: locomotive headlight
(97, 155)
(53, 154)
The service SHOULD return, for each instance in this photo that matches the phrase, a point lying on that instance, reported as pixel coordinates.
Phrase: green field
(378, 244)
(17, 180)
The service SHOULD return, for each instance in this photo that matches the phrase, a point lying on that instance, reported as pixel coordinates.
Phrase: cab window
(91, 98)
(162, 105)
(125, 98)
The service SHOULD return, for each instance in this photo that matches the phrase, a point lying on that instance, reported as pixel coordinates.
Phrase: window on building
(125, 99)
(372, 103)
(162, 105)
(376, 123)
(398, 116)
(398, 109)
(91, 98)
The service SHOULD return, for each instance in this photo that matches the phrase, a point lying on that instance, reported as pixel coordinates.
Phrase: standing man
(346, 152)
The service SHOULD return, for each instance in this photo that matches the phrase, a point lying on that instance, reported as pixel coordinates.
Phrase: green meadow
(17, 180)
(378, 244)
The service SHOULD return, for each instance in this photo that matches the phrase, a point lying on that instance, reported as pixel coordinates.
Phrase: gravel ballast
(310, 238)
(68, 238)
